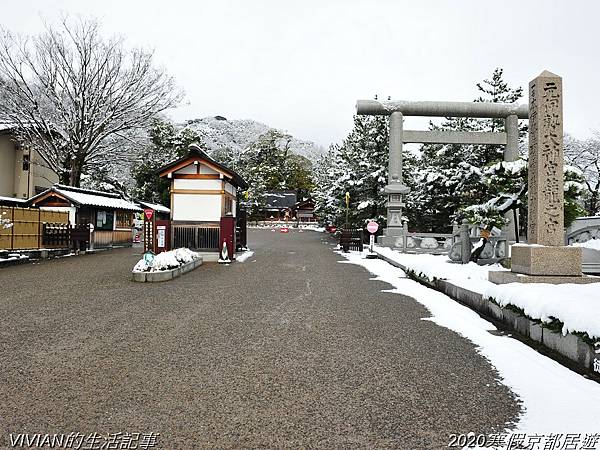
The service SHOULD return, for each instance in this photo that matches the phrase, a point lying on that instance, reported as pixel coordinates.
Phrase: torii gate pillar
(395, 188)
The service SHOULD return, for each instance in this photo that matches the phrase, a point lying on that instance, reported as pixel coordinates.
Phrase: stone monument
(545, 258)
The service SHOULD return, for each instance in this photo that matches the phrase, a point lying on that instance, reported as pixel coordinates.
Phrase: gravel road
(287, 349)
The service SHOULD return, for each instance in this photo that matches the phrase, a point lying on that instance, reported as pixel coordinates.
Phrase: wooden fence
(107, 238)
(351, 240)
(27, 226)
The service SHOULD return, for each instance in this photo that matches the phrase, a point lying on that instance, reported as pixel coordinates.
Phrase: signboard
(284, 230)
(372, 228)
(161, 232)
(148, 257)
(149, 244)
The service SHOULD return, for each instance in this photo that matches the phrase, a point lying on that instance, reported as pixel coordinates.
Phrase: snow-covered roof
(12, 200)
(155, 206)
(89, 197)
(280, 199)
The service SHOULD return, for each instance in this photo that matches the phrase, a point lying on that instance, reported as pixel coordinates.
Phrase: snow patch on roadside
(555, 399)
(244, 256)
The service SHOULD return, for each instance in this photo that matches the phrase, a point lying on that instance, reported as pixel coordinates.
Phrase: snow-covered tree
(270, 164)
(167, 143)
(358, 166)
(74, 96)
(453, 177)
(585, 156)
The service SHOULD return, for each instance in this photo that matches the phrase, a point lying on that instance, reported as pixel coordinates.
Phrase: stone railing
(465, 237)
(591, 257)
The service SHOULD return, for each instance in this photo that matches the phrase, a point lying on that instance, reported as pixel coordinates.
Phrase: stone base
(391, 235)
(546, 261)
(505, 277)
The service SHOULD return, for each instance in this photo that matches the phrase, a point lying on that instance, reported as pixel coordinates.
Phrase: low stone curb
(165, 275)
(581, 354)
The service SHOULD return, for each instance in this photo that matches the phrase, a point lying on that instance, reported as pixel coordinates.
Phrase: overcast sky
(301, 65)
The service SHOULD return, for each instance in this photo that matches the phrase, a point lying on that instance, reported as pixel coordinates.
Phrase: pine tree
(269, 164)
(358, 166)
(452, 177)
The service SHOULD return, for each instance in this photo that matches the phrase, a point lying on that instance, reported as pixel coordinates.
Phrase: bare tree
(74, 96)
(585, 155)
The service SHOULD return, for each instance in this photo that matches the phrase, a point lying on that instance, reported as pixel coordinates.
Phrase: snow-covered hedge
(167, 260)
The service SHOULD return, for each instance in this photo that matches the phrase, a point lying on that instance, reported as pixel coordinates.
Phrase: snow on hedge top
(167, 260)
(575, 305)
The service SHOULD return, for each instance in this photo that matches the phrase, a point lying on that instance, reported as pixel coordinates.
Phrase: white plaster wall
(205, 170)
(42, 175)
(231, 189)
(188, 170)
(196, 207)
(197, 184)
(7, 167)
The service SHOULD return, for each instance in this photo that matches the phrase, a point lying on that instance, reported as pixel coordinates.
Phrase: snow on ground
(244, 256)
(555, 399)
(577, 306)
(14, 256)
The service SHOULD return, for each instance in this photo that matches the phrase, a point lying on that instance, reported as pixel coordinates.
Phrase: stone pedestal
(547, 261)
(544, 264)
(505, 277)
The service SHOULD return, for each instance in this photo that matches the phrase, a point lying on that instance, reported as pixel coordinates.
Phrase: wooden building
(202, 193)
(278, 206)
(304, 211)
(111, 216)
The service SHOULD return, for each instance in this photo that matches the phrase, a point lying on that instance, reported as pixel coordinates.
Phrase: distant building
(278, 205)
(304, 210)
(23, 171)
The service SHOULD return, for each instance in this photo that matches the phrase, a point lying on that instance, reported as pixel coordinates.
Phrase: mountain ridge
(219, 133)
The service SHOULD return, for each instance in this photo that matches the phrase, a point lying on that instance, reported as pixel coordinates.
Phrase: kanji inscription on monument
(546, 178)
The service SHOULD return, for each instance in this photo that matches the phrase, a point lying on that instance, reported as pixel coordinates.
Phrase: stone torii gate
(511, 113)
